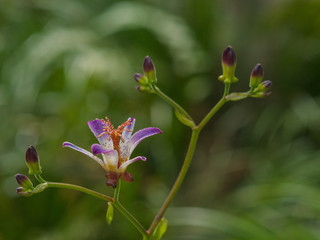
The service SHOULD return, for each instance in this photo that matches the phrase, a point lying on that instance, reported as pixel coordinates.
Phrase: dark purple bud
(140, 78)
(31, 155)
(257, 71)
(267, 84)
(148, 65)
(24, 181)
(228, 66)
(23, 192)
(32, 160)
(256, 76)
(229, 56)
(149, 70)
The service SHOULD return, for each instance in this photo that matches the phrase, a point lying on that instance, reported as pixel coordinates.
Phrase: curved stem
(126, 213)
(39, 178)
(192, 145)
(178, 182)
(131, 218)
(81, 189)
(171, 102)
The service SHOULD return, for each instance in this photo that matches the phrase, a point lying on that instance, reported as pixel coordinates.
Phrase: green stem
(215, 109)
(180, 178)
(114, 201)
(192, 145)
(126, 213)
(81, 189)
(117, 191)
(171, 102)
(131, 218)
(39, 178)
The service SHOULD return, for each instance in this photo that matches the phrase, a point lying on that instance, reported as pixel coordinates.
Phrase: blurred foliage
(255, 173)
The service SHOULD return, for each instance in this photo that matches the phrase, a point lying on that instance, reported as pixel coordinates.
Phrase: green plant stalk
(114, 201)
(81, 189)
(178, 182)
(215, 109)
(131, 218)
(39, 178)
(126, 213)
(191, 149)
(117, 191)
(170, 101)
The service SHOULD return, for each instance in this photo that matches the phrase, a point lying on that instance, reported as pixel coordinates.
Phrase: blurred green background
(255, 174)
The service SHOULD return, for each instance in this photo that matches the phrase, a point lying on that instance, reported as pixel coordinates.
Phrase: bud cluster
(147, 79)
(259, 89)
(26, 187)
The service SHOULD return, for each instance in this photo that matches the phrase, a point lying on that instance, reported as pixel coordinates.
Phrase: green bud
(229, 62)
(28, 192)
(149, 70)
(160, 229)
(145, 88)
(109, 215)
(32, 160)
(24, 181)
(262, 90)
(256, 76)
(140, 78)
(24, 192)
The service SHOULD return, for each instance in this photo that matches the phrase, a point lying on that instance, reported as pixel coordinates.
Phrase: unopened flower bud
(262, 90)
(229, 57)
(229, 62)
(265, 86)
(32, 160)
(256, 76)
(24, 181)
(144, 89)
(24, 192)
(140, 78)
(149, 69)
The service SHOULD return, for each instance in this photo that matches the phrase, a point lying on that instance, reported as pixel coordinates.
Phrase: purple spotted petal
(127, 163)
(129, 129)
(96, 126)
(70, 145)
(140, 135)
(98, 149)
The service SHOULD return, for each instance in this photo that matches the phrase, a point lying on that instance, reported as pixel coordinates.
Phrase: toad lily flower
(116, 146)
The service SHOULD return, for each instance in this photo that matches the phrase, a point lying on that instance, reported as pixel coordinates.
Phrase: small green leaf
(160, 229)
(109, 215)
(182, 117)
(236, 96)
(40, 187)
